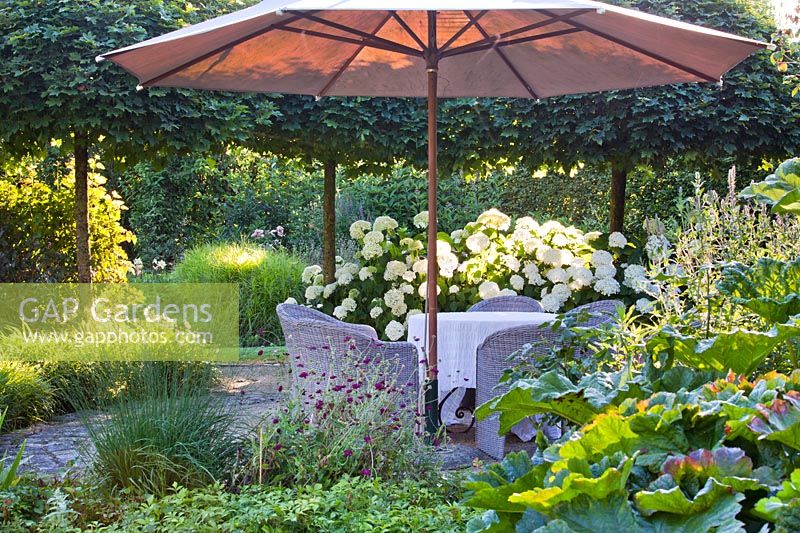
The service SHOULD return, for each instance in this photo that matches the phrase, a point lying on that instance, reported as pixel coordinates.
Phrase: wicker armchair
(508, 303)
(493, 359)
(315, 346)
(599, 312)
(290, 315)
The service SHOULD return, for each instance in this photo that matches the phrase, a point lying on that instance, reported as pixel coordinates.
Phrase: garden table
(459, 336)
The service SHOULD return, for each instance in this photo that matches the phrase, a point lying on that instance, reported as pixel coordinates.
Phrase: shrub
(37, 225)
(357, 423)
(561, 266)
(25, 393)
(266, 278)
(164, 428)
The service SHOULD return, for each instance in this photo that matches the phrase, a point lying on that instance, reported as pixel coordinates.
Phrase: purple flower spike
(348, 452)
(277, 447)
(367, 439)
(366, 472)
(303, 375)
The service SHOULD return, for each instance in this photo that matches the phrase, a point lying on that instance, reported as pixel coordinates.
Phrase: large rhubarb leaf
(610, 515)
(491, 488)
(739, 350)
(577, 481)
(780, 190)
(789, 495)
(780, 422)
(721, 517)
(770, 288)
(553, 393)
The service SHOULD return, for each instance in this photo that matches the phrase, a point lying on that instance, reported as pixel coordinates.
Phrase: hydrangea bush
(560, 266)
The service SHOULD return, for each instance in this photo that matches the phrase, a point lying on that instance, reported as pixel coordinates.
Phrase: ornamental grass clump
(356, 422)
(162, 428)
(495, 255)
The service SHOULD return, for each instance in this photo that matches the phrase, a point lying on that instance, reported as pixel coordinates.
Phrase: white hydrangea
(488, 289)
(365, 273)
(602, 257)
(423, 291)
(371, 251)
(329, 289)
(408, 275)
(531, 272)
(531, 245)
(644, 305)
(477, 242)
(290, 300)
(319, 279)
(394, 270)
(617, 240)
(581, 276)
(511, 262)
(349, 304)
(443, 248)
(384, 223)
(551, 303)
(458, 235)
(359, 228)
(393, 298)
(421, 220)
(517, 282)
(411, 244)
(340, 312)
(557, 275)
(507, 292)
(494, 219)
(394, 330)
(373, 237)
(560, 240)
(313, 292)
(405, 288)
(549, 256)
(448, 263)
(552, 226)
(420, 266)
(561, 291)
(591, 236)
(375, 312)
(526, 224)
(345, 278)
(399, 309)
(453, 289)
(606, 286)
(309, 273)
(605, 272)
(635, 276)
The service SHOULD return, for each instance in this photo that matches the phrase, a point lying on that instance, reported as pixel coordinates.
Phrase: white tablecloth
(459, 336)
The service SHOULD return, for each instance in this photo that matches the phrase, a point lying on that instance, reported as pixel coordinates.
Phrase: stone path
(54, 447)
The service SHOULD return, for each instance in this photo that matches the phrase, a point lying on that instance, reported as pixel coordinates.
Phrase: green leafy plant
(780, 190)
(770, 288)
(8, 471)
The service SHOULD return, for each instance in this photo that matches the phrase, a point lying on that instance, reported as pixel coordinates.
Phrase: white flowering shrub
(560, 266)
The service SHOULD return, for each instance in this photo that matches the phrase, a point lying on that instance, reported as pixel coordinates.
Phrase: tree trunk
(329, 222)
(619, 180)
(83, 251)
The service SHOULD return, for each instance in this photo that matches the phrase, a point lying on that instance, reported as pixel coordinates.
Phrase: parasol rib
(461, 32)
(408, 30)
(216, 51)
(639, 50)
(506, 60)
(354, 31)
(349, 61)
